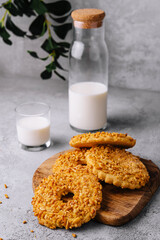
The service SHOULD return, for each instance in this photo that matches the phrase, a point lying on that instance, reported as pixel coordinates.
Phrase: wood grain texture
(119, 206)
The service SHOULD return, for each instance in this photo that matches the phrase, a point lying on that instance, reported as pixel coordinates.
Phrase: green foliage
(48, 20)
(38, 27)
(62, 30)
(38, 6)
(13, 28)
(59, 8)
(5, 35)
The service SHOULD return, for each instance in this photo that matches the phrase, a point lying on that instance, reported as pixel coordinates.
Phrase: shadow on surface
(125, 121)
(58, 142)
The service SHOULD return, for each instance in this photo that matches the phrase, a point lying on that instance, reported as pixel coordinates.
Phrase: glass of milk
(33, 126)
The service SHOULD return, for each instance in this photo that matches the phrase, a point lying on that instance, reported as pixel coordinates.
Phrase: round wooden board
(119, 206)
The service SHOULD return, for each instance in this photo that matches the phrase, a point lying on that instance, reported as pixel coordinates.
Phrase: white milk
(88, 105)
(33, 131)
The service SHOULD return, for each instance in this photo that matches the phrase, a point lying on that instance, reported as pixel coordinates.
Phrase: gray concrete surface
(134, 111)
(132, 35)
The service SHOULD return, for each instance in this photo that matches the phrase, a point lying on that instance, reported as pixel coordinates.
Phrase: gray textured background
(134, 111)
(132, 35)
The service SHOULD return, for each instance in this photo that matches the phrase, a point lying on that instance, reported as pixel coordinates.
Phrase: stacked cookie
(95, 156)
(108, 159)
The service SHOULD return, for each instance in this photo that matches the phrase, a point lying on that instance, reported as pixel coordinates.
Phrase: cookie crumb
(74, 235)
(32, 231)
(5, 186)
(6, 196)
(1, 238)
(24, 222)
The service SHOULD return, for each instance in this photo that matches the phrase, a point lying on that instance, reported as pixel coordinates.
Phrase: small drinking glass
(33, 126)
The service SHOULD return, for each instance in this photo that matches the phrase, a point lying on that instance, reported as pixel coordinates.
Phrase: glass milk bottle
(88, 72)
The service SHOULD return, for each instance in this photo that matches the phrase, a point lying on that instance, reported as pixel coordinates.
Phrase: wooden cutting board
(119, 206)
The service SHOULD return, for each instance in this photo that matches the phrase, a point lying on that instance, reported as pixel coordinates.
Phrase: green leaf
(7, 41)
(13, 28)
(63, 55)
(12, 9)
(24, 7)
(5, 35)
(3, 32)
(51, 66)
(60, 19)
(59, 75)
(49, 45)
(46, 75)
(34, 54)
(37, 26)
(62, 50)
(38, 6)
(64, 44)
(62, 30)
(20, 4)
(59, 66)
(59, 8)
(44, 29)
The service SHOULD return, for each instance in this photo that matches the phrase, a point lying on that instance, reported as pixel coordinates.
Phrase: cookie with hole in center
(117, 166)
(102, 138)
(49, 206)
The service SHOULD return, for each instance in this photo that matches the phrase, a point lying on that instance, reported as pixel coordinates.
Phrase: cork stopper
(88, 18)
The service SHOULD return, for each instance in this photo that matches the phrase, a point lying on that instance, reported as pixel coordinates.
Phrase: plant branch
(48, 26)
(3, 18)
(44, 14)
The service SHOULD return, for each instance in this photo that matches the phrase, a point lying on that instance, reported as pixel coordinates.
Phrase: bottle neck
(89, 34)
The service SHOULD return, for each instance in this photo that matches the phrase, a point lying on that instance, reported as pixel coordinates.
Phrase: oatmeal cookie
(49, 206)
(117, 166)
(70, 159)
(102, 138)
